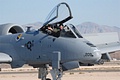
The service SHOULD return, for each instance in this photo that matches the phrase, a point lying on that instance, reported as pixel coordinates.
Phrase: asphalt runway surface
(110, 70)
(70, 71)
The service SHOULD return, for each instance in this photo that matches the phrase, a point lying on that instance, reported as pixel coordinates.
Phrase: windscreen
(71, 31)
(67, 32)
(76, 31)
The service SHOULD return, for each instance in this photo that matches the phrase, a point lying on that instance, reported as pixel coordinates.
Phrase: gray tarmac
(110, 70)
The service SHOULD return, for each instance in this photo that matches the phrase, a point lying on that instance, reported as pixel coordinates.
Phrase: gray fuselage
(36, 48)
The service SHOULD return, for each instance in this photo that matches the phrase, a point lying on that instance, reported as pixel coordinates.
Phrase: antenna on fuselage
(28, 28)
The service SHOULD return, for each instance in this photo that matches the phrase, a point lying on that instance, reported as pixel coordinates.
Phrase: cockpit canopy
(59, 15)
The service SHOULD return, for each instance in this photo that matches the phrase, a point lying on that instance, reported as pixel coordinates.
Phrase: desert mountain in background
(89, 27)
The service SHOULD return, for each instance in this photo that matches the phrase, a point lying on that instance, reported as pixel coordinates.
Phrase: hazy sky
(103, 12)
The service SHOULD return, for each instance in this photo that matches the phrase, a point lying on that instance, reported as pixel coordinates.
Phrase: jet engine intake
(6, 29)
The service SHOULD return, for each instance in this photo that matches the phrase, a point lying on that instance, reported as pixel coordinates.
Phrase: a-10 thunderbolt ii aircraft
(61, 48)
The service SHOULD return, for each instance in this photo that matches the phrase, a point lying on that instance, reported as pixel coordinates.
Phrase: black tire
(90, 64)
(48, 79)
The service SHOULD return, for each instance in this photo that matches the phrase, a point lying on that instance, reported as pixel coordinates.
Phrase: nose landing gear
(56, 74)
(56, 71)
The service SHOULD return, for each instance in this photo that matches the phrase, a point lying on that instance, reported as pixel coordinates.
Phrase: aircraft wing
(106, 42)
(4, 58)
(109, 47)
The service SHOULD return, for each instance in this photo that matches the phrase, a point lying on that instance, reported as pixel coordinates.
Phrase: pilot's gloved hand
(49, 30)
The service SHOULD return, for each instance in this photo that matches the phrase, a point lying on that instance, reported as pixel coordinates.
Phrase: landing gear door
(60, 14)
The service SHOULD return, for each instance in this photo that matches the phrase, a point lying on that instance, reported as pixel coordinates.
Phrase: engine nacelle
(6, 29)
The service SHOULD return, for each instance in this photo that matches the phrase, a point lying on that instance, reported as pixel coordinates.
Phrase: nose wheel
(48, 79)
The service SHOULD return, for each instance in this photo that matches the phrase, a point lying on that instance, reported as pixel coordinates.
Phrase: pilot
(57, 30)
(52, 29)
